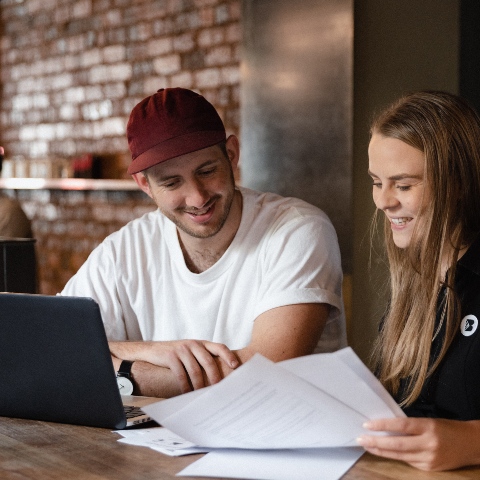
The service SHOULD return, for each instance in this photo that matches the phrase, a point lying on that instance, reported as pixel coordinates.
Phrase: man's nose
(197, 195)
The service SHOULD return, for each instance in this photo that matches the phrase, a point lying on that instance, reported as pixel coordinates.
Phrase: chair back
(18, 265)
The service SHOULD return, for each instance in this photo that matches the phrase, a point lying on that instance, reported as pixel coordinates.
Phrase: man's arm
(169, 368)
(166, 369)
(284, 332)
(151, 380)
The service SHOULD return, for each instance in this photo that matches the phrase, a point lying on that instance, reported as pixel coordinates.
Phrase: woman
(424, 159)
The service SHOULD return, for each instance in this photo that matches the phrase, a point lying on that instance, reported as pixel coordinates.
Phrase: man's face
(195, 191)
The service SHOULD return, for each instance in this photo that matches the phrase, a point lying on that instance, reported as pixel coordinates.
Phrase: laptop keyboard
(131, 411)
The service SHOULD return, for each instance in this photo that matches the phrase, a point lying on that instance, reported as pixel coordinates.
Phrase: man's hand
(425, 443)
(193, 363)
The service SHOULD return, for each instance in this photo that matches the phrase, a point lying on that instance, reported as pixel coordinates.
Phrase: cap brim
(175, 147)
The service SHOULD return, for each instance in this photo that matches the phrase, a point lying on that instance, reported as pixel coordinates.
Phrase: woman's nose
(384, 198)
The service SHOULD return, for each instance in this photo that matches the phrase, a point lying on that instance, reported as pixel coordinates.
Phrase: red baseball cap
(170, 123)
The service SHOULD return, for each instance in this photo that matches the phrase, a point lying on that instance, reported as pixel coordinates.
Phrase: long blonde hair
(447, 130)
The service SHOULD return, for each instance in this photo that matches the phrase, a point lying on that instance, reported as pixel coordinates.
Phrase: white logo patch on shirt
(469, 325)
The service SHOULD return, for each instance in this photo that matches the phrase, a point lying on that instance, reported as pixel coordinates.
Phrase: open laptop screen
(55, 363)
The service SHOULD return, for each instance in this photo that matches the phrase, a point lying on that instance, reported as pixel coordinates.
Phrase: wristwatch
(124, 378)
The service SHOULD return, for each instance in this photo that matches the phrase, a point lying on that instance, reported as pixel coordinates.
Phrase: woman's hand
(425, 443)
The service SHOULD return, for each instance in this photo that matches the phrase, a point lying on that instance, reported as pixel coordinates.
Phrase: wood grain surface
(49, 451)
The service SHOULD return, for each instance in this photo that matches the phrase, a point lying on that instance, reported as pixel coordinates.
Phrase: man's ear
(232, 146)
(142, 182)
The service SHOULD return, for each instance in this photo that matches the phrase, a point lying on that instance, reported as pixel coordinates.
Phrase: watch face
(125, 385)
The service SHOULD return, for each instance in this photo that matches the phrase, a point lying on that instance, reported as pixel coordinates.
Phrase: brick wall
(69, 224)
(71, 71)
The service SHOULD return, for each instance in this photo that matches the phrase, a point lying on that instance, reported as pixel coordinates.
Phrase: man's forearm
(149, 380)
(153, 381)
(134, 351)
(173, 367)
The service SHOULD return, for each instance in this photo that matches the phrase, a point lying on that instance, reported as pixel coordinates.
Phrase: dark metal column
(296, 130)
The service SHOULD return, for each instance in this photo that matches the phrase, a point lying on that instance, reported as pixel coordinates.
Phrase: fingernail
(367, 425)
(360, 440)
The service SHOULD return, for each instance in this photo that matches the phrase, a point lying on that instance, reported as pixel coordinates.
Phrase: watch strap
(125, 369)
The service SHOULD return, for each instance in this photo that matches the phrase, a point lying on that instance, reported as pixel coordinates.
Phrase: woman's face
(399, 187)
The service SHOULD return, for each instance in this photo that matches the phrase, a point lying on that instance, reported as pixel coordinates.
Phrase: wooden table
(42, 450)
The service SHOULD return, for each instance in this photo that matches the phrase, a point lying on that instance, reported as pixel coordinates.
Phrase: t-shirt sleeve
(302, 265)
(96, 279)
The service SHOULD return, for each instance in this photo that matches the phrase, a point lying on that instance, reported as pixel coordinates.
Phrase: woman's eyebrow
(399, 176)
(403, 176)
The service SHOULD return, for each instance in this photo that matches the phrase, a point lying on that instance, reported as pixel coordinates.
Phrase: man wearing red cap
(218, 272)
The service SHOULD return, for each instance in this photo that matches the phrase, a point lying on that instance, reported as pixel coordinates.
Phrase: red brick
(221, 55)
(204, 3)
(160, 46)
(208, 78)
(167, 65)
(183, 43)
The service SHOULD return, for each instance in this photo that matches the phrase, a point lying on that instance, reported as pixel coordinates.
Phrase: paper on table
(305, 464)
(262, 405)
(160, 439)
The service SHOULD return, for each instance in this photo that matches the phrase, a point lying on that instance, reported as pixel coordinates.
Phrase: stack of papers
(291, 419)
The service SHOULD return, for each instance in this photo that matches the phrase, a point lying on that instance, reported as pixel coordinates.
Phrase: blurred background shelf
(66, 184)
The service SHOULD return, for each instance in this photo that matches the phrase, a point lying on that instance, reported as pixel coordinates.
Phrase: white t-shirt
(284, 252)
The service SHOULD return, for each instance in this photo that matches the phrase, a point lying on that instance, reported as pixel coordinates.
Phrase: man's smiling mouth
(198, 213)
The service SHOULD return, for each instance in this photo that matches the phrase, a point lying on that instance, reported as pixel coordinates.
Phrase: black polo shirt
(453, 391)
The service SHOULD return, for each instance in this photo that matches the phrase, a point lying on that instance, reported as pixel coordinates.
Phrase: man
(217, 273)
(13, 221)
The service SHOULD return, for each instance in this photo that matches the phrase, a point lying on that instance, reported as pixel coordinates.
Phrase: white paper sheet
(324, 463)
(348, 357)
(160, 439)
(343, 375)
(261, 406)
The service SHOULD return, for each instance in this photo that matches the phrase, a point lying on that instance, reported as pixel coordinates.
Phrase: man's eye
(207, 172)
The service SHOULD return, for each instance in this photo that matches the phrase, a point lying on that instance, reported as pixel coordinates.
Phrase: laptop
(55, 364)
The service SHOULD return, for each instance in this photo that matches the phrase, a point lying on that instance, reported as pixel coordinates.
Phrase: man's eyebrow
(167, 177)
(400, 176)
(207, 163)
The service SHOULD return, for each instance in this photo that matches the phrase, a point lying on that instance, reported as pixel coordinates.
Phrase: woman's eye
(403, 188)
(377, 184)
